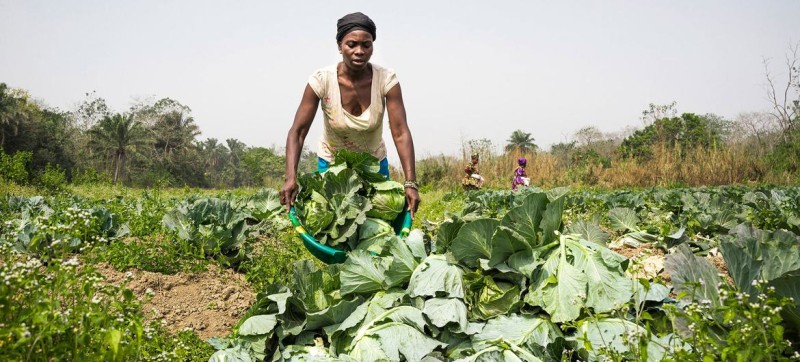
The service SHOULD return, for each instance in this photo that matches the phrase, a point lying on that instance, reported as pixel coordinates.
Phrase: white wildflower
(71, 262)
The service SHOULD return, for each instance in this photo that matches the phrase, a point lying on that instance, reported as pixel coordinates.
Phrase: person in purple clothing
(520, 177)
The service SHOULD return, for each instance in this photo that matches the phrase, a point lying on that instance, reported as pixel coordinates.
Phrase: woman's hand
(289, 192)
(412, 200)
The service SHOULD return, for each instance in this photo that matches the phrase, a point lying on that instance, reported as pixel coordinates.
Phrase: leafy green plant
(150, 253)
(212, 227)
(45, 232)
(465, 301)
(53, 178)
(77, 316)
(14, 167)
(720, 321)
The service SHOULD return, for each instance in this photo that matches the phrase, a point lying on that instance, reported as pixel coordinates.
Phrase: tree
(481, 146)
(785, 110)
(260, 163)
(11, 113)
(655, 112)
(174, 131)
(587, 136)
(118, 135)
(563, 151)
(90, 111)
(785, 103)
(237, 149)
(685, 132)
(521, 141)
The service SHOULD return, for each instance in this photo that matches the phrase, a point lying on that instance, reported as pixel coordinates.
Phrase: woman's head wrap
(475, 156)
(354, 21)
(522, 161)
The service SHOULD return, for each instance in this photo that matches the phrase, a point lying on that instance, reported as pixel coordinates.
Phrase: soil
(718, 262)
(210, 302)
(653, 260)
(630, 252)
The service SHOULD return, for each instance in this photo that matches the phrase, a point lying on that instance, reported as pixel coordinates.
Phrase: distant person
(354, 94)
(473, 179)
(520, 176)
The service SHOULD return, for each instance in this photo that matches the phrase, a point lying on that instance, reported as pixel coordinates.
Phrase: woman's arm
(403, 142)
(294, 143)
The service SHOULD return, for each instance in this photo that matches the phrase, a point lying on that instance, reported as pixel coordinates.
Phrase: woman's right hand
(289, 192)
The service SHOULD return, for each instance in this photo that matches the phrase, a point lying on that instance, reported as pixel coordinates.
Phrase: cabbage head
(388, 200)
(374, 235)
(316, 213)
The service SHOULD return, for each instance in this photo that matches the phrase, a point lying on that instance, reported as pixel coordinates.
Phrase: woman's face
(356, 49)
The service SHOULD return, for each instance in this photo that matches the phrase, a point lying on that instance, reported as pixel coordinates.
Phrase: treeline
(152, 143)
(156, 143)
(669, 150)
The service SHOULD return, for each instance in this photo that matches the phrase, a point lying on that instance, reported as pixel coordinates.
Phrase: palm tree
(173, 131)
(119, 135)
(237, 149)
(521, 141)
(213, 153)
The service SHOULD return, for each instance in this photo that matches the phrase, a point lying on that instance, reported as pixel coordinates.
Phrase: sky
(468, 69)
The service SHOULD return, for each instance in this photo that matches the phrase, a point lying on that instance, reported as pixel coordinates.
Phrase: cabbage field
(492, 275)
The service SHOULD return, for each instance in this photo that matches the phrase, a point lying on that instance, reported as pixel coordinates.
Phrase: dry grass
(667, 167)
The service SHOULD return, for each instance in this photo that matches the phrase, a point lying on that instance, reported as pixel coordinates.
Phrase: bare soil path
(210, 302)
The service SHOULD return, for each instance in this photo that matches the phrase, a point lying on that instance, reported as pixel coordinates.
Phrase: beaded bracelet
(411, 185)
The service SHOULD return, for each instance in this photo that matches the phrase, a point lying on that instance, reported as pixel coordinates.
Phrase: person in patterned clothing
(473, 179)
(520, 176)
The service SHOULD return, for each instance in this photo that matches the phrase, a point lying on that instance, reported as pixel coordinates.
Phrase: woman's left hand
(412, 200)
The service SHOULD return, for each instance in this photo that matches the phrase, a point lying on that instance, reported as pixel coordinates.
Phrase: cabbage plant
(388, 200)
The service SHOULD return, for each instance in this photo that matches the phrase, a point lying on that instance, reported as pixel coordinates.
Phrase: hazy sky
(469, 69)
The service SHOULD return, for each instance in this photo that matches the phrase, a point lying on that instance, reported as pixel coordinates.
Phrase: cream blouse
(362, 133)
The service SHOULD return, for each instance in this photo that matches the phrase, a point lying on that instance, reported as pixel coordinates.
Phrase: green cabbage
(374, 235)
(316, 213)
(388, 200)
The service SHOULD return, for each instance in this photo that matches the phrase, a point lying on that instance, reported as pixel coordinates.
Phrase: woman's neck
(354, 74)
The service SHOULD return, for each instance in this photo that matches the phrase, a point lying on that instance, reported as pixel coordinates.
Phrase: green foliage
(521, 142)
(432, 172)
(118, 137)
(785, 156)
(272, 259)
(685, 132)
(14, 167)
(369, 303)
(388, 200)
(260, 163)
(53, 178)
(90, 176)
(152, 253)
(589, 157)
(212, 227)
(741, 330)
(335, 204)
(35, 228)
(78, 317)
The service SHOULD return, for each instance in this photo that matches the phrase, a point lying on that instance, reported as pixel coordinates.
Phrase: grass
(668, 167)
(151, 253)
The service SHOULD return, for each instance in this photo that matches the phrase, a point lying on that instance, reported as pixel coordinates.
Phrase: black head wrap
(354, 21)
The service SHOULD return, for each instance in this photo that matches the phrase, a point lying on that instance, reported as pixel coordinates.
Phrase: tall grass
(667, 167)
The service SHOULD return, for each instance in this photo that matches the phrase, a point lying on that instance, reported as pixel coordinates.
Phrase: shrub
(14, 167)
(53, 178)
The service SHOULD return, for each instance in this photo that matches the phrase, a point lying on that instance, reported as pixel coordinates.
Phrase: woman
(520, 176)
(473, 179)
(354, 94)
